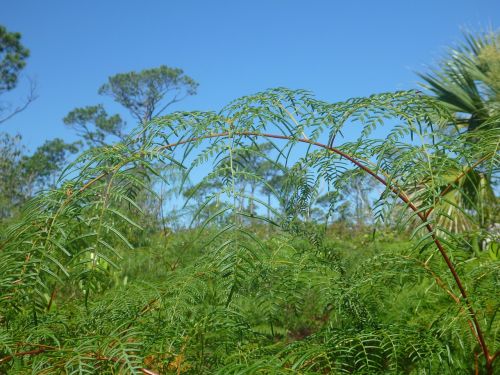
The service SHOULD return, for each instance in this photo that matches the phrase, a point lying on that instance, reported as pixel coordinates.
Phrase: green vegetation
(299, 250)
(13, 57)
(146, 94)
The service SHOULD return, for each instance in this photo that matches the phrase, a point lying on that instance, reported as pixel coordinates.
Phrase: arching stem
(399, 193)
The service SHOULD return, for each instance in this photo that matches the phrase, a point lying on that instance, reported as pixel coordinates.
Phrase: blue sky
(337, 49)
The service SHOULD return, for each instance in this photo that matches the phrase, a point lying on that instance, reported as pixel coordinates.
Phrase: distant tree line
(466, 81)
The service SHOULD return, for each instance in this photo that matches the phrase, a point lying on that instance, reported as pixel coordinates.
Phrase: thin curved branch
(400, 194)
(31, 97)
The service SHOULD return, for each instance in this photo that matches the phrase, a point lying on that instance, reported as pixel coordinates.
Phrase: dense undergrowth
(367, 306)
(89, 285)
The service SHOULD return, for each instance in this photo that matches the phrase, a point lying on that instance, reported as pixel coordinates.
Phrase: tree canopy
(94, 125)
(146, 94)
(13, 57)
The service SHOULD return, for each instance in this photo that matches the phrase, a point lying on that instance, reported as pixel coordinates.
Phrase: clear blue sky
(337, 49)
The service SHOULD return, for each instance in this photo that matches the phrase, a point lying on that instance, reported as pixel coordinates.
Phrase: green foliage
(24, 175)
(256, 287)
(467, 83)
(144, 93)
(468, 80)
(11, 170)
(47, 161)
(12, 59)
(93, 124)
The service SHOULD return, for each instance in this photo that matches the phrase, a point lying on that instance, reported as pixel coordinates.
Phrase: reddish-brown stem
(144, 310)
(442, 285)
(52, 297)
(45, 348)
(22, 354)
(400, 194)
